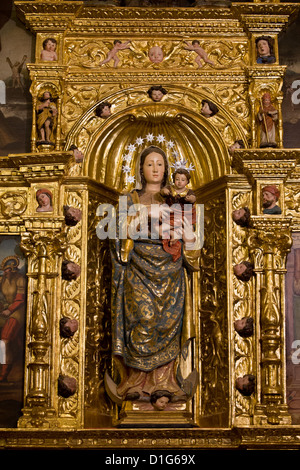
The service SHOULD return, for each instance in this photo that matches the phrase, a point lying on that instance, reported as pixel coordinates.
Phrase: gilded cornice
(267, 17)
(140, 21)
(169, 29)
(47, 7)
(267, 154)
(75, 75)
(77, 16)
(23, 168)
(272, 225)
(259, 72)
(47, 16)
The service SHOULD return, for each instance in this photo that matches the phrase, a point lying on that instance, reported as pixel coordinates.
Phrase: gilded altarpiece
(66, 401)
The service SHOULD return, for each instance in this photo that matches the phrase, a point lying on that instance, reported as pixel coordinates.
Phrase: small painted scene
(12, 329)
(16, 44)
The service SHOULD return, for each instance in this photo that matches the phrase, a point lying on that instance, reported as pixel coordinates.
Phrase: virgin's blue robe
(151, 309)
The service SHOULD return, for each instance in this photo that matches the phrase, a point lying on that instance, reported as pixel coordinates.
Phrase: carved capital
(270, 235)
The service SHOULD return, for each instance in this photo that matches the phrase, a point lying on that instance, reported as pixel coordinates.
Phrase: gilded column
(43, 249)
(269, 242)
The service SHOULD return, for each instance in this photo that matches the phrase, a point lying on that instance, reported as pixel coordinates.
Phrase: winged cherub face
(156, 54)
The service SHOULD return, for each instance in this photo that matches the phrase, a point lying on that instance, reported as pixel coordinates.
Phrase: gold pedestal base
(133, 415)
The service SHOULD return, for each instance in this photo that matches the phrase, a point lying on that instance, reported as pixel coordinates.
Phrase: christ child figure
(178, 193)
(201, 54)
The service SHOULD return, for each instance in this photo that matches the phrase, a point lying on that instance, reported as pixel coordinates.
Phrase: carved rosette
(269, 242)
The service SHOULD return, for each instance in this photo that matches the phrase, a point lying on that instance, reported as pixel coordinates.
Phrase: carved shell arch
(203, 142)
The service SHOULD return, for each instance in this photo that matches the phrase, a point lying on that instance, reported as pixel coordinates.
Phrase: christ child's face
(180, 181)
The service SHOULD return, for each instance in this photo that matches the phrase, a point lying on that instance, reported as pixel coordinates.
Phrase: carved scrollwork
(292, 199)
(13, 203)
(71, 308)
(89, 54)
(98, 345)
(242, 298)
(213, 310)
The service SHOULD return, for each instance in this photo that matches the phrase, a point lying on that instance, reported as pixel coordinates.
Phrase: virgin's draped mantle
(151, 307)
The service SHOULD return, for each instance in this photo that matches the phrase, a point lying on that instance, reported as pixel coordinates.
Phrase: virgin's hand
(188, 234)
(161, 213)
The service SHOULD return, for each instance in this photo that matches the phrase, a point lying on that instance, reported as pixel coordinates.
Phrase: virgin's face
(154, 168)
